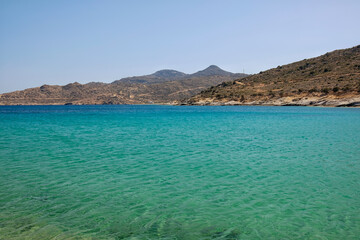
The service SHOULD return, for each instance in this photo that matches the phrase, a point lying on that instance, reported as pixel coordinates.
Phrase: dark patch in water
(214, 233)
(42, 198)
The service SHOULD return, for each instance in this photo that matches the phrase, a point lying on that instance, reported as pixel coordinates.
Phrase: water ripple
(158, 172)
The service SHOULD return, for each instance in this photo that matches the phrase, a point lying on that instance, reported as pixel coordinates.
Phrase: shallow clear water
(165, 172)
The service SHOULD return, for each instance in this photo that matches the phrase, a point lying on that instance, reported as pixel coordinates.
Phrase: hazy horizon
(102, 41)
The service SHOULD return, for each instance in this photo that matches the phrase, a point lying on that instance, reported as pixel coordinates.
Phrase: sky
(58, 42)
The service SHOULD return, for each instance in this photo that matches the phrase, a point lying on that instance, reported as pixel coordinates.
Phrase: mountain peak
(211, 71)
(173, 75)
(213, 67)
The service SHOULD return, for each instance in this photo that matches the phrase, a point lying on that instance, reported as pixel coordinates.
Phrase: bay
(179, 172)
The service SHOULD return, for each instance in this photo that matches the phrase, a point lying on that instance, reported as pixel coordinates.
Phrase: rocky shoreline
(285, 101)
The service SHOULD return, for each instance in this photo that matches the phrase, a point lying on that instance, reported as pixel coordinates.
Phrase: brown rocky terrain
(332, 79)
(162, 87)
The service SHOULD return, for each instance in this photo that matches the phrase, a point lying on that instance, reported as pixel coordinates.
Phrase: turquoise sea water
(176, 172)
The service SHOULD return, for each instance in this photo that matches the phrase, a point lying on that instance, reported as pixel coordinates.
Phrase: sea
(179, 172)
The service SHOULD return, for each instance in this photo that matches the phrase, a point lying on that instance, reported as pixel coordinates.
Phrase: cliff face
(165, 86)
(332, 79)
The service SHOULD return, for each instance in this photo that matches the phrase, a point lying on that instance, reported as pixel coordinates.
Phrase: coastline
(349, 100)
(311, 101)
(205, 103)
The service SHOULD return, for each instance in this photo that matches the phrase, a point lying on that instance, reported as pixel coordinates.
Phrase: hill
(210, 71)
(171, 75)
(332, 79)
(163, 87)
(157, 77)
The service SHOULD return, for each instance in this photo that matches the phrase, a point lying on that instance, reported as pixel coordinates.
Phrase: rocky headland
(332, 79)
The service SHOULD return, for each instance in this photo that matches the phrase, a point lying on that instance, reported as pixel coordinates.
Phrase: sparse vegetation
(336, 73)
(325, 90)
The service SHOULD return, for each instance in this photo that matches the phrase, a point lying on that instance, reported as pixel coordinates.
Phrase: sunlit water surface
(176, 172)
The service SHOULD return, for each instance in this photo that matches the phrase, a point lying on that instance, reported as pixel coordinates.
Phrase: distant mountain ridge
(332, 79)
(164, 86)
(172, 75)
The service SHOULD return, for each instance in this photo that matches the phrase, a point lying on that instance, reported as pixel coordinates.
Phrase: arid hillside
(332, 79)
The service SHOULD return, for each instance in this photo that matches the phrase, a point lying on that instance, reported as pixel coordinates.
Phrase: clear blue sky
(58, 42)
